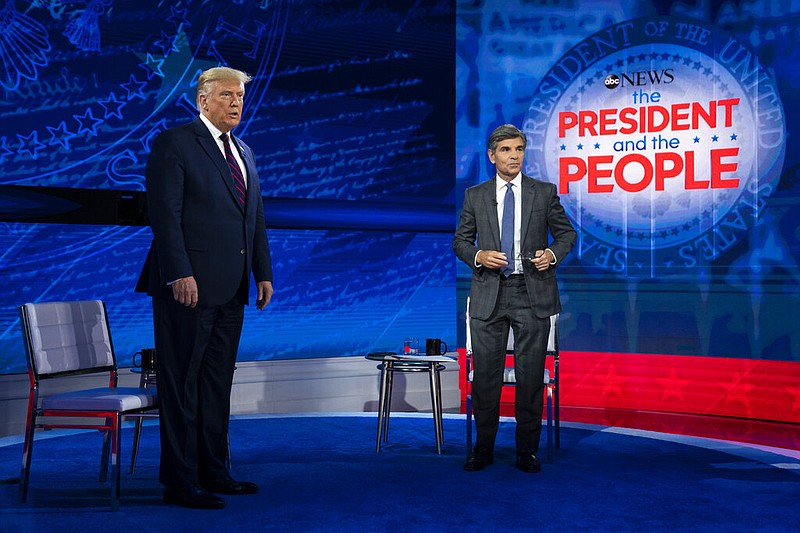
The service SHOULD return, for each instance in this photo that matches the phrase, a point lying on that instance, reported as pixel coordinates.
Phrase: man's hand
(491, 259)
(264, 294)
(542, 259)
(185, 291)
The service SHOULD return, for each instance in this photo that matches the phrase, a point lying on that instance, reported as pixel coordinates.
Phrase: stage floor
(321, 473)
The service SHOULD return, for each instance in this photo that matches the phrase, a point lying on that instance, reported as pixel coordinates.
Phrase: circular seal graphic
(663, 136)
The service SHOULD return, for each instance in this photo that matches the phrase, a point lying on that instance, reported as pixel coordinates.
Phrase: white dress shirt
(216, 133)
(516, 186)
(500, 191)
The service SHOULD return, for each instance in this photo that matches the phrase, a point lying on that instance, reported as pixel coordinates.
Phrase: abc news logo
(642, 77)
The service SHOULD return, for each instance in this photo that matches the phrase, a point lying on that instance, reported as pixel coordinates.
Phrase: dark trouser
(489, 342)
(195, 359)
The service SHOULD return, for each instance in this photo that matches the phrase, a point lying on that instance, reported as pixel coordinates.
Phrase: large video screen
(349, 114)
(668, 128)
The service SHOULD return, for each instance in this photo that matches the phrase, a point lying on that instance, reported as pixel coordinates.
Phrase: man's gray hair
(504, 132)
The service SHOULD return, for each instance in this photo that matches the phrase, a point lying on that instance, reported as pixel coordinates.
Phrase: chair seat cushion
(104, 399)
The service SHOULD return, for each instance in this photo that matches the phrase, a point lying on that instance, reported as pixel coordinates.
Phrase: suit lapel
(490, 208)
(528, 193)
(209, 145)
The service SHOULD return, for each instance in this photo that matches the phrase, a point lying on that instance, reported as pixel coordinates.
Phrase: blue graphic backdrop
(350, 115)
(711, 273)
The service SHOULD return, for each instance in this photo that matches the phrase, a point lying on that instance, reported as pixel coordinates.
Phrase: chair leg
(106, 451)
(549, 425)
(557, 421)
(469, 423)
(27, 451)
(230, 462)
(557, 417)
(116, 448)
(557, 404)
(137, 434)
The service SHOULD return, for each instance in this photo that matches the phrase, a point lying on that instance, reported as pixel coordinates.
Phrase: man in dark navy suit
(504, 236)
(207, 216)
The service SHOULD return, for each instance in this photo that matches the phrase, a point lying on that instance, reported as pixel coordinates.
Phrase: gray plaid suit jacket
(478, 229)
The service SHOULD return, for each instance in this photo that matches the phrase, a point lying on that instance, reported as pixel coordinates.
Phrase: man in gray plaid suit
(503, 233)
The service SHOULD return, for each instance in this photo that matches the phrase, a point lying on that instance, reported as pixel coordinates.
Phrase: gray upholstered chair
(68, 339)
(509, 380)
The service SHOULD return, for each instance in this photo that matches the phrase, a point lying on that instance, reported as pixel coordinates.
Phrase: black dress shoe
(230, 486)
(194, 497)
(527, 462)
(477, 462)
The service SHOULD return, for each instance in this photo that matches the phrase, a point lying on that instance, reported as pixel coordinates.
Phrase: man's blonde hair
(218, 74)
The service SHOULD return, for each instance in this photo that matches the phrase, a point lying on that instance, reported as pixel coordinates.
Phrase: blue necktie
(507, 230)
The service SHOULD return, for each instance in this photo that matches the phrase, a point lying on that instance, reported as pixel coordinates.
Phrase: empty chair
(67, 339)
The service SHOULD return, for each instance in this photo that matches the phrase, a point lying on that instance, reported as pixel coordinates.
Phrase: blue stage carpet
(321, 473)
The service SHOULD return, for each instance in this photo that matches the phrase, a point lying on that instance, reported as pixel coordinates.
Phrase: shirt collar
(501, 183)
(215, 132)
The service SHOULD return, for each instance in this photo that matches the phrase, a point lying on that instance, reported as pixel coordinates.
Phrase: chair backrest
(552, 339)
(67, 338)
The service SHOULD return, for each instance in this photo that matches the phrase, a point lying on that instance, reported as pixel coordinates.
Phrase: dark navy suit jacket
(199, 228)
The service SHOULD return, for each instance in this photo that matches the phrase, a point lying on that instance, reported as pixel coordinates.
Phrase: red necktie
(236, 172)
